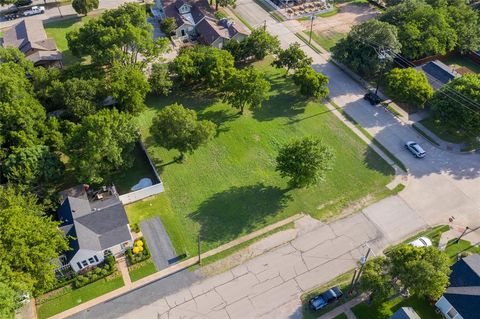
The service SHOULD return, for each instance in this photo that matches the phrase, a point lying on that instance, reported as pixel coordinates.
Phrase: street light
(312, 17)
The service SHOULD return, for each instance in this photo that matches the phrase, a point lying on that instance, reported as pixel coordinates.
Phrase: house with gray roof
(96, 224)
(438, 73)
(30, 37)
(462, 298)
(405, 313)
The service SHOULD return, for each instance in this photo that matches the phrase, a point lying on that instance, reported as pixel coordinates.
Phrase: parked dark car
(323, 299)
(22, 3)
(373, 98)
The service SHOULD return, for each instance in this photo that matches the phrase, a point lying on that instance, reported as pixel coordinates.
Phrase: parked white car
(415, 149)
(34, 11)
(421, 242)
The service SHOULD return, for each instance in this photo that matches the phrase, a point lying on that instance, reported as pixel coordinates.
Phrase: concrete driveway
(161, 248)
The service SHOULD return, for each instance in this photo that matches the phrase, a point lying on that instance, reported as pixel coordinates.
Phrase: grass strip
(327, 14)
(305, 40)
(421, 132)
(142, 270)
(239, 17)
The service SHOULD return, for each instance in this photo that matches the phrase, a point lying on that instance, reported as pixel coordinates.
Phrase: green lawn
(146, 268)
(388, 308)
(58, 31)
(75, 297)
(454, 249)
(443, 132)
(229, 187)
(326, 40)
(458, 61)
(341, 316)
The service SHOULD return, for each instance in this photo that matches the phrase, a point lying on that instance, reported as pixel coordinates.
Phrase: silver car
(415, 149)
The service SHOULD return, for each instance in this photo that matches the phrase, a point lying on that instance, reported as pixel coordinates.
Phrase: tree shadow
(238, 210)
(219, 117)
(374, 162)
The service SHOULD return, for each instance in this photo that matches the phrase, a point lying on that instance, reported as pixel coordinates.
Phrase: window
(84, 263)
(91, 260)
(452, 313)
(79, 265)
(96, 258)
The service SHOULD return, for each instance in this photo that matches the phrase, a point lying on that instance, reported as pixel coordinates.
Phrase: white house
(96, 223)
(462, 298)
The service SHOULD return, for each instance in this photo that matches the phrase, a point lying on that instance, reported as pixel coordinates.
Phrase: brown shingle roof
(28, 34)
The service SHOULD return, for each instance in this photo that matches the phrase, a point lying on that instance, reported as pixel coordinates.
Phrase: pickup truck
(34, 11)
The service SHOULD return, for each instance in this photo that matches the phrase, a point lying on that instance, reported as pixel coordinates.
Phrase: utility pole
(312, 17)
(458, 239)
(383, 56)
(198, 249)
(363, 261)
(350, 290)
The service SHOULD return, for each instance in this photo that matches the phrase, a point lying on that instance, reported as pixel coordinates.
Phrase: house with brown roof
(196, 20)
(30, 37)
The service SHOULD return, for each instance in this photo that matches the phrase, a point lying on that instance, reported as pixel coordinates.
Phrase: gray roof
(28, 34)
(405, 313)
(438, 73)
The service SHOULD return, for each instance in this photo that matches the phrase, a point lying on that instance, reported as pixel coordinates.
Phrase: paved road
(159, 243)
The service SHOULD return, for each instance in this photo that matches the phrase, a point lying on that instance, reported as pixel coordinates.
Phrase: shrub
(139, 252)
(135, 228)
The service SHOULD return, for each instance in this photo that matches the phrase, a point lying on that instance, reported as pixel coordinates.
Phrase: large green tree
(160, 80)
(168, 26)
(120, 35)
(246, 88)
(376, 279)
(360, 49)
(84, 6)
(466, 23)
(459, 113)
(292, 57)
(409, 86)
(312, 83)
(101, 145)
(304, 161)
(225, 3)
(176, 127)
(256, 46)
(29, 243)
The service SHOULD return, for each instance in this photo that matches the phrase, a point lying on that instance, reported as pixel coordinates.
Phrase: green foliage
(458, 114)
(466, 23)
(101, 145)
(176, 127)
(118, 35)
(29, 242)
(257, 46)
(357, 50)
(160, 81)
(16, 56)
(8, 301)
(95, 274)
(203, 65)
(246, 87)
(305, 161)
(225, 3)
(312, 83)
(376, 280)
(128, 86)
(409, 86)
(84, 6)
(168, 26)
(140, 256)
(292, 57)
(33, 166)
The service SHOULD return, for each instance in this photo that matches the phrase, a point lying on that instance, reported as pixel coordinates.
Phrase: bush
(135, 228)
(138, 253)
(96, 273)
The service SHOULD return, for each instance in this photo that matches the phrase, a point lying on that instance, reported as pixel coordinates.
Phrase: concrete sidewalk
(345, 308)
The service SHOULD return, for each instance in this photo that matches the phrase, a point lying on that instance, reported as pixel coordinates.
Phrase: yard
(72, 298)
(454, 249)
(141, 270)
(462, 64)
(447, 134)
(229, 187)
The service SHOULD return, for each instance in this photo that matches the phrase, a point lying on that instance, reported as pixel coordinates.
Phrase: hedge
(140, 256)
(97, 273)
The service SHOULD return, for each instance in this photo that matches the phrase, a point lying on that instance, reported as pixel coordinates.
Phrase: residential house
(196, 21)
(462, 298)
(30, 38)
(438, 73)
(405, 313)
(96, 223)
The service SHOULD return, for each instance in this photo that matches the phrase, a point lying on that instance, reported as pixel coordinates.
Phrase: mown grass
(454, 249)
(142, 270)
(74, 297)
(229, 187)
(326, 40)
(443, 131)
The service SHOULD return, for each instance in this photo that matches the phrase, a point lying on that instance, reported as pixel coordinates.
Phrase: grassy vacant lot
(388, 308)
(58, 31)
(142, 270)
(72, 298)
(445, 133)
(229, 187)
(326, 40)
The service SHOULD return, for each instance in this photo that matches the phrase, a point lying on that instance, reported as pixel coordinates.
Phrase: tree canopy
(246, 88)
(84, 6)
(312, 83)
(101, 144)
(176, 127)
(160, 81)
(257, 46)
(168, 26)
(304, 161)
(292, 57)
(409, 86)
(225, 3)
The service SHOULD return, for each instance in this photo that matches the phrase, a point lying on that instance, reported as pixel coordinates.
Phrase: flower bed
(139, 252)
(98, 273)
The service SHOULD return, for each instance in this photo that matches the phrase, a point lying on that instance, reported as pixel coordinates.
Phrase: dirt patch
(348, 16)
(229, 262)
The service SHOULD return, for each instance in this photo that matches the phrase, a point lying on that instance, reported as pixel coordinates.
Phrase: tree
(312, 83)
(128, 86)
(101, 145)
(225, 3)
(160, 81)
(34, 166)
(305, 161)
(457, 113)
(29, 244)
(358, 50)
(120, 35)
(376, 279)
(84, 6)
(466, 23)
(292, 57)
(409, 86)
(8, 301)
(168, 26)
(260, 43)
(176, 127)
(247, 87)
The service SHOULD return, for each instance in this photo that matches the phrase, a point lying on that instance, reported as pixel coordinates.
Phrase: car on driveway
(322, 300)
(373, 98)
(421, 242)
(415, 149)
